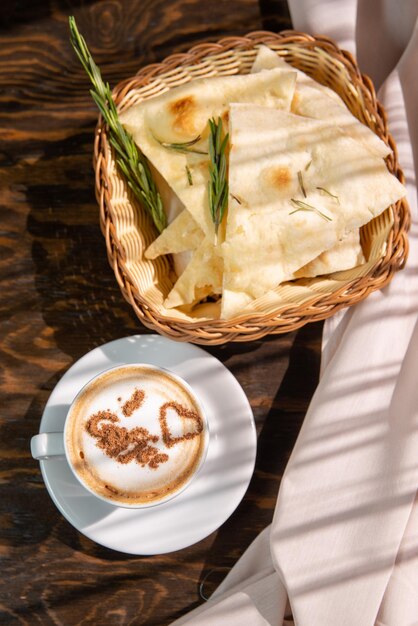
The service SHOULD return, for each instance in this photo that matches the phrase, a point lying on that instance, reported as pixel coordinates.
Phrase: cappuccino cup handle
(47, 445)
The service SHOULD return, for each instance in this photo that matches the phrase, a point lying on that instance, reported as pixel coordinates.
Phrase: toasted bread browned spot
(294, 105)
(203, 165)
(279, 177)
(183, 111)
(225, 118)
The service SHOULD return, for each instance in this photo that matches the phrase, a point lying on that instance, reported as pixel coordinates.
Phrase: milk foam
(132, 482)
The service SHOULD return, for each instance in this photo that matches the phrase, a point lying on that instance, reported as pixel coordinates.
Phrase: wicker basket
(128, 230)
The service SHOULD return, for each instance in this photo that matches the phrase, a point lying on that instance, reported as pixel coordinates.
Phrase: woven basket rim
(251, 324)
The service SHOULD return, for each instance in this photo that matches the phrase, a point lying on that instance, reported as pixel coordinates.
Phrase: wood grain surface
(59, 299)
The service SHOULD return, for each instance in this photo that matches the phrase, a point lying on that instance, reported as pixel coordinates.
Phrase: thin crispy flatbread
(347, 253)
(182, 114)
(301, 185)
(311, 99)
(178, 116)
(202, 276)
(268, 59)
(182, 234)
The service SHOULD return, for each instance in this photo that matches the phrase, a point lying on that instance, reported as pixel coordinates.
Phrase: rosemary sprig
(218, 184)
(328, 193)
(301, 185)
(189, 176)
(129, 158)
(182, 147)
(304, 206)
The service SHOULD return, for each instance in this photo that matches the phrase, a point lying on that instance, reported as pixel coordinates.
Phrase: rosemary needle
(132, 163)
(182, 147)
(301, 185)
(236, 198)
(189, 176)
(328, 193)
(304, 206)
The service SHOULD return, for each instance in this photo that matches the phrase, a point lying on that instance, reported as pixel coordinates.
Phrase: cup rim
(185, 485)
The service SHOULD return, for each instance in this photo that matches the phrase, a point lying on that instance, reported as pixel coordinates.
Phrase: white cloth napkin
(343, 546)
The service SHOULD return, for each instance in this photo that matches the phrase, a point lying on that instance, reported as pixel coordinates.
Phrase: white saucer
(214, 493)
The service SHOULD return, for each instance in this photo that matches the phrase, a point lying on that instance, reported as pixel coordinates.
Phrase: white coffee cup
(98, 411)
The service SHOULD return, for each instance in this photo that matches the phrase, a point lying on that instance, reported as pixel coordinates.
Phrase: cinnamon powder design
(135, 444)
(183, 413)
(134, 402)
(122, 444)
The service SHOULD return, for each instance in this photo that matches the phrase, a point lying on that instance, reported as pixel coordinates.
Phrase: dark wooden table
(59, 299)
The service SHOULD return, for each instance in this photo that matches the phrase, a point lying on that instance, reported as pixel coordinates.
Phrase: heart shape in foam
(184, 414)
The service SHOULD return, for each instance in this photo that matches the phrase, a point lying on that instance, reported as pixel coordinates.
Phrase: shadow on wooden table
(275, 442)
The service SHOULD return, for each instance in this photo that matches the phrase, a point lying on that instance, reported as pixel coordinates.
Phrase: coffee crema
(135, 435)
